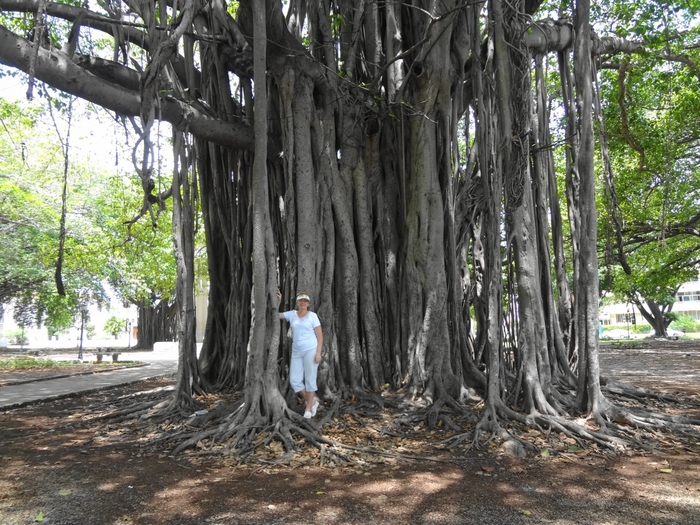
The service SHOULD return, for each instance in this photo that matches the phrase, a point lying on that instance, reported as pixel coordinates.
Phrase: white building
(687, 303)
(96, 319)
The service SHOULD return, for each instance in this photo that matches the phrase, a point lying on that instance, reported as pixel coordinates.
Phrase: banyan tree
(393, 159)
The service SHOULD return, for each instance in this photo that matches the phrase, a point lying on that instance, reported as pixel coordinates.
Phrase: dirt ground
(8, 377)
(60, 464)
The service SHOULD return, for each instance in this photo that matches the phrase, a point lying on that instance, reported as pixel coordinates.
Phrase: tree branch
(56, 69)
(547, 35)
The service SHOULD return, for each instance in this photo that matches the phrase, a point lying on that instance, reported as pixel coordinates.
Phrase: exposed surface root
(392, 426)
(627, 390)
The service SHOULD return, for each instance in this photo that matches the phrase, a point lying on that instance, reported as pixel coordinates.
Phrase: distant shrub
(685, 324)
(633, 328)
(16, 337)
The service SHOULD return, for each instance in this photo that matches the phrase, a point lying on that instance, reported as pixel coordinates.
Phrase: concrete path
(157, 365)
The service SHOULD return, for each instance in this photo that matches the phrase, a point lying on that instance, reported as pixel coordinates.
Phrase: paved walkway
(157, 364)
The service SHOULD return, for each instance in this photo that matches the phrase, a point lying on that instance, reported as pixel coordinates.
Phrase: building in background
(687, 303)
(93, 330)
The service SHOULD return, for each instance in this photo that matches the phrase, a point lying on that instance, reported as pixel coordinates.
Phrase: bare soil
(61, 464)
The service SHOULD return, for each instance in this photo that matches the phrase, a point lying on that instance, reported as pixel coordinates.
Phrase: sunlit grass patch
(25, 362)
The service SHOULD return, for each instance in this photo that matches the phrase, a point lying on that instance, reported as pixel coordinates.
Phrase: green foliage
(25, 219)
(60, 312)
(685, 324)
(141, 267)
(232, 8)
(640, 328)
(26, 363)
(16, 337)
(31, 180)
(337, 22)
(115, 326)
(100, 247)
(654, 157)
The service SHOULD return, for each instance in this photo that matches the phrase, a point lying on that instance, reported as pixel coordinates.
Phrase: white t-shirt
(303, 334)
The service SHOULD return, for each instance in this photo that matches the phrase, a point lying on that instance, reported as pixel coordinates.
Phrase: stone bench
(100, 354)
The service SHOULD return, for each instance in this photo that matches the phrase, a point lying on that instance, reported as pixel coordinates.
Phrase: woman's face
(303, 303)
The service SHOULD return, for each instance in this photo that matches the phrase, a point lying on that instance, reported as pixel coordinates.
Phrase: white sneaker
(314, 408)
(308, 415)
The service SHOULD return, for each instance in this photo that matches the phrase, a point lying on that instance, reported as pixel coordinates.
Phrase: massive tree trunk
(332, 166)
(156, 323)
(428, 179)
(264, 402)
(655, 314)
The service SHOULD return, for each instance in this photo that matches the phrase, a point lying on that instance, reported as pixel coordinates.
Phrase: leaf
(666, 470)
(526, 512)
(545, 453)
(487, 469)
(320, 492)
(65, 492)
(40, 516)
(573, 448)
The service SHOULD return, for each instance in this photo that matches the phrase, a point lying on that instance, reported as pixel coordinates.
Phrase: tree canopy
(103, 243)
(651, 107)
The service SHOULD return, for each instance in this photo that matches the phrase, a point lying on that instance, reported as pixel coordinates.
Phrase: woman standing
(307, 341)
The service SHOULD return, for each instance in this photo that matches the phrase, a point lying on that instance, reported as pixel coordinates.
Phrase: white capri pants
(302, 371)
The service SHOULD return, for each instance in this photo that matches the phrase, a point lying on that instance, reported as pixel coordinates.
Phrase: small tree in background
(115, 326)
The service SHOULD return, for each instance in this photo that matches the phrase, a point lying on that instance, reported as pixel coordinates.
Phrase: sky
(96, 136)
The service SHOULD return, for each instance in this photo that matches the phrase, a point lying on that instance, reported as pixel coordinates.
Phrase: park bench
(99, 354)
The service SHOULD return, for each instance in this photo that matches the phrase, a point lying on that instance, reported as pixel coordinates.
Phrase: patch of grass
(108, 364)
(24, 362)
(624, 343)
